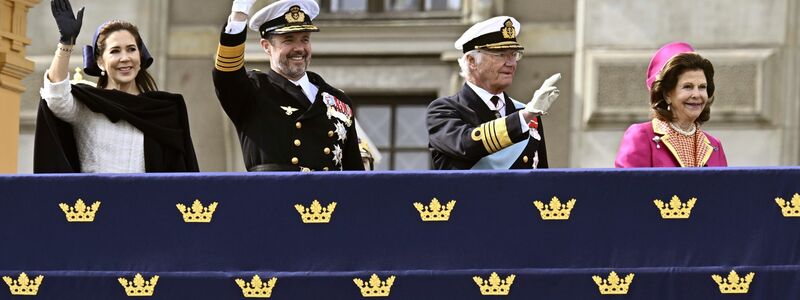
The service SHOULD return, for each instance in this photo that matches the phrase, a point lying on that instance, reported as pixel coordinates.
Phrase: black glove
(68, 25)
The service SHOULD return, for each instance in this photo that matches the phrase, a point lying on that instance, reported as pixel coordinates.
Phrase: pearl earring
(102, 73)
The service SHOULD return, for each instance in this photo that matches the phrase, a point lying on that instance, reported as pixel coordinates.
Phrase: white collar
(487, 97)
(309, 89)
(302, 81)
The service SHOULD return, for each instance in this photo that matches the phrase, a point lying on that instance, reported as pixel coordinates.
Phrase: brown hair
(143, 80)
(668, 79)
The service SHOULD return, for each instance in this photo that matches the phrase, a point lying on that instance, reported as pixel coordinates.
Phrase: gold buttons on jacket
(295, 160)
(330, 133)
(327, 150)
(297, 143)
(525, 159)
(298, 125)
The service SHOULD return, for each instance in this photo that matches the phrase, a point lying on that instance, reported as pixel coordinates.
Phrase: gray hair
(462, 62)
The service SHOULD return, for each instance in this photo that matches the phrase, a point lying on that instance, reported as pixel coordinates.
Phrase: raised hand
(68, 25)
(544, 96)
(242, 6)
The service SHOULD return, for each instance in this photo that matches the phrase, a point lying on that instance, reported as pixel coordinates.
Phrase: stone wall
(752, 44)
(601, 47)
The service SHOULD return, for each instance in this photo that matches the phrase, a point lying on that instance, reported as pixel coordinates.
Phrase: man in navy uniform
(288, 119)
(481, 127)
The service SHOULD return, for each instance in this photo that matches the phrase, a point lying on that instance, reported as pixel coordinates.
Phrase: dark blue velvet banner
(735, 224)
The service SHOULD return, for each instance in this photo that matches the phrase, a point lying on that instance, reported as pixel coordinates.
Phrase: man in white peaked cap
(481, 127)
(288, 119)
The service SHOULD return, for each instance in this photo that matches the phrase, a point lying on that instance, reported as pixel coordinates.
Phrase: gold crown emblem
(80, 212)
(23, 286)
(375, 287)
(734, 284)
(295, 15)
(613, 285)
(675, 209)
(555, 210)
(435, 211)
(315, 213)
(256, 288)
(139, 287)
(508, 30)
(197, 213)
(495, 286)
(789, 209)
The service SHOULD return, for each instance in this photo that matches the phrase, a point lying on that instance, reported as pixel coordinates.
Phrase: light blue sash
(503, 159)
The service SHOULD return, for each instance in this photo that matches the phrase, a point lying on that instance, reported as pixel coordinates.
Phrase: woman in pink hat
(681, 85)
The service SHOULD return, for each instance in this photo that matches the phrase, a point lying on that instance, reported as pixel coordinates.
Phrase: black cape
(160, 116)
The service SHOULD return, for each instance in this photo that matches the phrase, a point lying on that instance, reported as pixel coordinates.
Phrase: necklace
(689, 132)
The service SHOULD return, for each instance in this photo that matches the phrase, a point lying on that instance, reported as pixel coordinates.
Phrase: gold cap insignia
(197, 213)
(375, 287)
(256, 288)
(435, 211)
(508, 30)
(675, 209)
(613, 285)
(80, 212)
(555, 210)
(23, 286)
(139, 287)
(789, 209)
(495, 286)
(315, 213)
(734, 284)
(295, 15)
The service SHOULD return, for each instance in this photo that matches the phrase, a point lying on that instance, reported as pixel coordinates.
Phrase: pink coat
(640, 148)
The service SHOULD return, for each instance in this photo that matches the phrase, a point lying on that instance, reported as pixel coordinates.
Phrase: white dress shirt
(486, 96)
(309, 89)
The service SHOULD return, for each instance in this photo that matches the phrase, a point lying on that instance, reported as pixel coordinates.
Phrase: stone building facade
(395, 56)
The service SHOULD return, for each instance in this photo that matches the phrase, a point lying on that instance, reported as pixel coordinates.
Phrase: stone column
(13, 67)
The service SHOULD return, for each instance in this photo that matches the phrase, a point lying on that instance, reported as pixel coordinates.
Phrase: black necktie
(496, 100)
(303, 92)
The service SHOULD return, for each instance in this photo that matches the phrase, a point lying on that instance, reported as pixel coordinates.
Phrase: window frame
(377, 10)
(393, 101)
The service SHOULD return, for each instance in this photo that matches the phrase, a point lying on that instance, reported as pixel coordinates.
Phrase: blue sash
(503, 159)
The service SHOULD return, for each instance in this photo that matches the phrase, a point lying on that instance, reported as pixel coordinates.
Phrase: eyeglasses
(515, 55)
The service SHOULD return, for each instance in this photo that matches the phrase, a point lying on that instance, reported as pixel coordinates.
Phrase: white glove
(242, 6)
(544, 96)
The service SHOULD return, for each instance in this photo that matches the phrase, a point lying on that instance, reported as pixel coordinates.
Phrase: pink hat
(661, 58)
